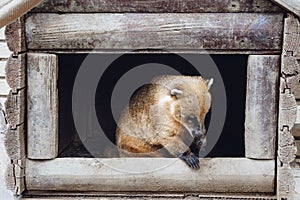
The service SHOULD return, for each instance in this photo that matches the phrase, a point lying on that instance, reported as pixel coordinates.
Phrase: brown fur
(156, 122)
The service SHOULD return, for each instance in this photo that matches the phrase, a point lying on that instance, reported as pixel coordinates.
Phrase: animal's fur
(166, 117)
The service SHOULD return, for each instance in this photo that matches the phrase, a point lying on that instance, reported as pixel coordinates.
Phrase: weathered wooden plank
(4, 88)
(291, 5)
(15, 176)
(287, 107)
(298, 147)
(42, 110)
(286, 148)
(298, 115)
(12, 9)
(158, 51)
(297, 91)
(230, 31)
(291, 38)
(145, 195)
(157, 6)
(90, 174)
(290, 72)
(4, 52)
(15, 142)
(15, 36)
(286, 183)
(15, 72)
(296, 129)
(261, 106)
(15, 108)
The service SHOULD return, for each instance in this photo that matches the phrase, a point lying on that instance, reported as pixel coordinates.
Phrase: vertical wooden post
(42, 109)
(287, 107)
(261, 106)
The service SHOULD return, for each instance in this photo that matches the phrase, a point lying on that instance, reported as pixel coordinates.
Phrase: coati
(166, 117)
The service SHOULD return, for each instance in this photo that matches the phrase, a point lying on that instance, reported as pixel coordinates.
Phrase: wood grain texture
(157, 6)
(286, 147)
(10, 10)
(89, 174)
(15, 72)
(291, 5)
(15, 36)
(261, 106)
(286, 183)
(15, 176)
(225, 31)
(287, 108)
(298, 147)
(15, 108)
(290, 72)
(10, 180)
(15, 142)
(42, 110)
(291, 36)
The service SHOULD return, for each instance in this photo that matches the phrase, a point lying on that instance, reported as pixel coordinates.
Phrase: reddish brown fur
(148, 123)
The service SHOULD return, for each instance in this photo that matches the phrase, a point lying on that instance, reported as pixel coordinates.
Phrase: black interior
(232, 69)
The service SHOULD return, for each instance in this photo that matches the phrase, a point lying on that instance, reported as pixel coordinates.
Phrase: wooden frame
(98, 174)
(37, 42)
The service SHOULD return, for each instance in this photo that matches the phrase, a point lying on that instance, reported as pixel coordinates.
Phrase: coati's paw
(190, 159)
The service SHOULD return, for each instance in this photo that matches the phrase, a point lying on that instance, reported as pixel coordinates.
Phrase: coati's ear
(176, 92)
(209, 82)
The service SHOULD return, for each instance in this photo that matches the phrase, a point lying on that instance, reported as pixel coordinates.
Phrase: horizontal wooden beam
(157, 6)
(210, 31)
(227, 175)
(157, 51)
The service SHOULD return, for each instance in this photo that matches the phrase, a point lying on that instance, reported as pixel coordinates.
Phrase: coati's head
(191, 102)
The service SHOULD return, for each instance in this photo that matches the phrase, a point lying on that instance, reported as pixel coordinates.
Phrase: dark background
(232, 69)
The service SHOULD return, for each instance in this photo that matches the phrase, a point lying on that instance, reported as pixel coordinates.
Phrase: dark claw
(191, 159)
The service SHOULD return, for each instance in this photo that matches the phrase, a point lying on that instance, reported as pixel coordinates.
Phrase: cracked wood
(261, 106)
(42, 109)
(211, 31)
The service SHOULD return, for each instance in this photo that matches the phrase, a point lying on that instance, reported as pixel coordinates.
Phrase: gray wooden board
(42, 109)
(225, 31)
(291, 5)
(157, 6)
(162, 175)
(261, 106)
